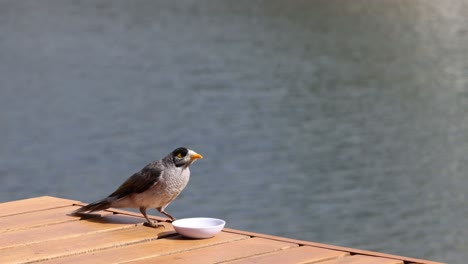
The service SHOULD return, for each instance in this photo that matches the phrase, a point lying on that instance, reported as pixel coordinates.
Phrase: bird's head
(184, 157)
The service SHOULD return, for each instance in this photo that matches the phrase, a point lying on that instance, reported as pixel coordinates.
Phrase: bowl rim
(176, 223)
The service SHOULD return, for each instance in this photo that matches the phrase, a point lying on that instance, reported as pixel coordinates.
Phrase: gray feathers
(140, 181)
(95, 206)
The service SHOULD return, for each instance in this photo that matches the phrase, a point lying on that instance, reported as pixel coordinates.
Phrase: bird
(154, 186)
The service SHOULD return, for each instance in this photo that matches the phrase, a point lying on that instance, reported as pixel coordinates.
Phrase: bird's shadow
(121, 219)
(109, 218)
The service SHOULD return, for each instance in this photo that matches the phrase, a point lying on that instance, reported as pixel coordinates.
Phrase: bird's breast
(163, 191)
(176, 183)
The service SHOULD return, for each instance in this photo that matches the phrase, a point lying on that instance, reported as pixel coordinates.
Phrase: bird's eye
(179, 155)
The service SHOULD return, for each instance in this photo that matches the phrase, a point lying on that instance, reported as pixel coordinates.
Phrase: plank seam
(35, 211)
(186, 250)
(91, 250)
(260, 254)
(69, 236)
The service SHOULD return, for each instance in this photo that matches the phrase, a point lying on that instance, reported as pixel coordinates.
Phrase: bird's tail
(95, 206)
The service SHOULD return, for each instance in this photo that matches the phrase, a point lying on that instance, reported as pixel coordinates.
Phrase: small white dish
(198, 227)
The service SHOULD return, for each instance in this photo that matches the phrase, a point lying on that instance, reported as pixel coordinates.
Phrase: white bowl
(198, 227)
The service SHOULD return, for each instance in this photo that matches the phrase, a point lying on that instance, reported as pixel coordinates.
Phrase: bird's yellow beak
(196, 156)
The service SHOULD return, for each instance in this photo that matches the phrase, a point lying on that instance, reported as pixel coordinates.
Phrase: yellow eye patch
(179, 155)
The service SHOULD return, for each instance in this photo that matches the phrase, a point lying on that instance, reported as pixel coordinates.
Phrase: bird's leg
(171, 218)
(149, 222)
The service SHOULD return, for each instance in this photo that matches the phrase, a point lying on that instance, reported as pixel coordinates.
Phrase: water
(332, 121)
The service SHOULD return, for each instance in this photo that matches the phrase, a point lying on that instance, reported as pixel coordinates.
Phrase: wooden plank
(81, 244)
(303, 254)
(153, 248)
(333, 247)
(36, 218)
(223, 252)
(67, 229)
(39, 229)
(361, 259)
(33, 204)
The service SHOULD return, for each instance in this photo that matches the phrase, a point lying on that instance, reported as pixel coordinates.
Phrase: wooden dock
(39, 230)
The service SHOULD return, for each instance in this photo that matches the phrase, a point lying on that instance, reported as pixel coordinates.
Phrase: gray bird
(154, 186)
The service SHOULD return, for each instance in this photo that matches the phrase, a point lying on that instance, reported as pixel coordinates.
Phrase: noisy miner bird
(154, 186)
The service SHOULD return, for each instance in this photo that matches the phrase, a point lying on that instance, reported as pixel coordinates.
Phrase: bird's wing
(139, 182)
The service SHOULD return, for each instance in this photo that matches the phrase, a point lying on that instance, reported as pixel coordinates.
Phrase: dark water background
(341, 122)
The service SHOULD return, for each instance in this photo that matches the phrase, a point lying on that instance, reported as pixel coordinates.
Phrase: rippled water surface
(341, 122)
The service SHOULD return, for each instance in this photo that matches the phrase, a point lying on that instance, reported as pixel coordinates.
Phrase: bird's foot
(169, 220)
(153, 225)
